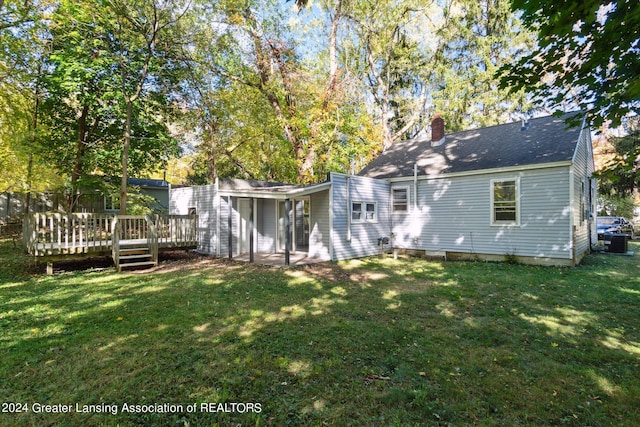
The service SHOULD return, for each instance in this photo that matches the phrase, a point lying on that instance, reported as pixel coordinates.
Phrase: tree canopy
(246, 88)
(588, 57)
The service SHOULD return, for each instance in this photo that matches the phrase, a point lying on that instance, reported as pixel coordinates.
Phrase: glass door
(302, 214)
(299, 222)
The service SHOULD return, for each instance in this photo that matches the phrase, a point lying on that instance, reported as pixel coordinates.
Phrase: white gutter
(509, 169)
(273, 193)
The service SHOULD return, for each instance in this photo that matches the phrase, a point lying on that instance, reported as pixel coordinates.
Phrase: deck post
(230, 224)
(251, 229)
(287, 232)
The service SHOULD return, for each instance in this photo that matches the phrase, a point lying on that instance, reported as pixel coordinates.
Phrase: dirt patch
(167, 260)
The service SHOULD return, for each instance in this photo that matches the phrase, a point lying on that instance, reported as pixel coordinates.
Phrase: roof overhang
(277, 193)
(509, 169)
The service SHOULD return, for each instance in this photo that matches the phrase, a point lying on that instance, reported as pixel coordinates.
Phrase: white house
(519, 189)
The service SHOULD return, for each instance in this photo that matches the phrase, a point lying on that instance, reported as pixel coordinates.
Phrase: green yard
(367, 342)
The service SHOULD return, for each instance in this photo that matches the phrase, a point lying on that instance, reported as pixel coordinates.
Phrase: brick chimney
(437, 131)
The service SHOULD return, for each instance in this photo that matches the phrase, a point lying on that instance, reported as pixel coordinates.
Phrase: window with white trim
(400, 199)
(111, 203)
(505, 202)
(364, 212)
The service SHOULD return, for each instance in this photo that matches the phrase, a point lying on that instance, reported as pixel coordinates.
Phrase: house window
(504, 201)
(364, 212)
(400, 198)
(111, 203)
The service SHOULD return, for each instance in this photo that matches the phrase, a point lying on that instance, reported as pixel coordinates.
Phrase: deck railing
(53, 233)
(177, 230)
(47, 234)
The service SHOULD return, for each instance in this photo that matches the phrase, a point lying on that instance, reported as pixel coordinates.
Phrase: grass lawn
(365, 342)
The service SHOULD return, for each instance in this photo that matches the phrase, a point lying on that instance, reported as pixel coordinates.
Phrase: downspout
(572, 210)
(230, 226)
(415, 201)
(415, 187)
(218, 207)
(331, 188)
(349, 207)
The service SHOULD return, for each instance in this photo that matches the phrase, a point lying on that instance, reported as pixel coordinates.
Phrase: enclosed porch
(240, 219)
(277, 231)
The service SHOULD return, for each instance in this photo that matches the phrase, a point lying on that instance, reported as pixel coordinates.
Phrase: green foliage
(250, 89)
(478, 38)
(615, 205)
(21, 51)
(588, 56)
(620, 176)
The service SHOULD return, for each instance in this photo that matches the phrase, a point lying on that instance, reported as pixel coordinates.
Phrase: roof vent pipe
(437, 131)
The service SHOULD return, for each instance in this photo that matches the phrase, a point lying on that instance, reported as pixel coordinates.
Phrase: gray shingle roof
(545, 140)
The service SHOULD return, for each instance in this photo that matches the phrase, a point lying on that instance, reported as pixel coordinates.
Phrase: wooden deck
(135, 239)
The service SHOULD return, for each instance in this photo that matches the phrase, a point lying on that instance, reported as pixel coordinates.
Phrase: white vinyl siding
(583, 201)
(319, 228)
(454, 215)
(364, 235)
(203, 200)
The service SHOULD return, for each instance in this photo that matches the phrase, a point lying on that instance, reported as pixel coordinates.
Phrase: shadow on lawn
(361, 343)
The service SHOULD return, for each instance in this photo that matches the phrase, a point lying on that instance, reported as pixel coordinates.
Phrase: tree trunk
(125, 156)
(212, 169)
(333, 55)
(34, 136)
(81, 146)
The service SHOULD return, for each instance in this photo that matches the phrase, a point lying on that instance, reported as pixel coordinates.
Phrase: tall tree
(475, 40)
(588, 56)
(620, 175)
(141, 54)
(22, 52)
(257, 54)
(390, 57)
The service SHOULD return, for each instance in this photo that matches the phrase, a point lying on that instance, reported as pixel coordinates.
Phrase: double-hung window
(364, 212)
(400, 199)
(505, 202)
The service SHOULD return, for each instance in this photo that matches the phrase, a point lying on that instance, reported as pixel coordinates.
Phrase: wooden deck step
(138, 256)
(135, 255)
(137, 264)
